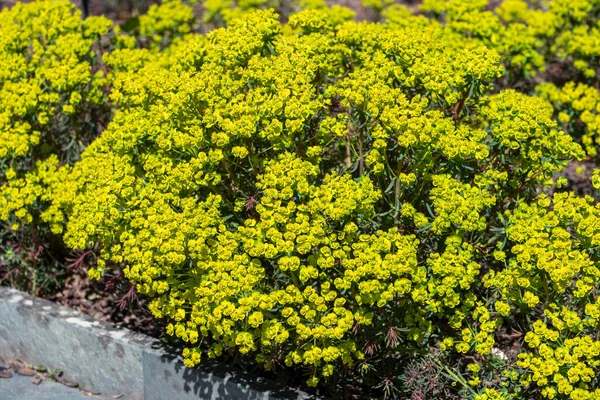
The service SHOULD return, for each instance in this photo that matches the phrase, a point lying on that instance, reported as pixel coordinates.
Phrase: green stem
(397, 193)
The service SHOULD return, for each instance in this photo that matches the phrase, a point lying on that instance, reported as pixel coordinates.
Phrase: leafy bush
(52, 100)
(529, 35)
(369, 202)
(340, 194)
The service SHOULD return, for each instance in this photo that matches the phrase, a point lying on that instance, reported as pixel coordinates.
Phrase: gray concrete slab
(20, 388)
(209, 381)
(115, 361)
(91, 353)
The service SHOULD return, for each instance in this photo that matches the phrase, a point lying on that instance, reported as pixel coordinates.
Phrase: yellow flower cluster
(552, 272)
(308, 192)
(596, 178)
(524, 126)
(511, 29)
(321, 19)
(458, 205)
(45, 71)
(531, 37)
(165, 20)
(526, 34)
(290, 191)
(491, 394)
(578, 108)
(49, 81)
(224, 12)
(545, 261)
(21, 197)
(562, 369)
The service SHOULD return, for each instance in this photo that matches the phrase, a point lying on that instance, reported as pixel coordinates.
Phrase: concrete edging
(116, 361)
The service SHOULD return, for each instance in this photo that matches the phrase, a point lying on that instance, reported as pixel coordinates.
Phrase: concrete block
(21, 388)
(115, 361)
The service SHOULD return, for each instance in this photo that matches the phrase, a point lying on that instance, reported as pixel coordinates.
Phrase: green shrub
(359, 200)
(338, 193)
(52, 104)
(529, 35)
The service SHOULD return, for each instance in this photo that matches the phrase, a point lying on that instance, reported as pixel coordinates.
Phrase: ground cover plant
(380, 205)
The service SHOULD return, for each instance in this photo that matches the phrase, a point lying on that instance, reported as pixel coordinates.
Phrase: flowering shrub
(359, 200)
(223, 12)
(158, 27)
(529, 35)
(513, 30)
(328, 194)
(554, 37)
(52, 100)
(552, 278)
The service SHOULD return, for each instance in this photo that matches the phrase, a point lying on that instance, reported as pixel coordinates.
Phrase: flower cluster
(272, 190)
(577, 107)
(551, 270)
(527, 35)
(328, 195)
(52, 94)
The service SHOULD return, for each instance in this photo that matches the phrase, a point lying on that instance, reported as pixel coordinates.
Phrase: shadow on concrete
(210, 380)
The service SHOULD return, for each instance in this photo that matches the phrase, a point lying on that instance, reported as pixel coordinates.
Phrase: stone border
(115, 361)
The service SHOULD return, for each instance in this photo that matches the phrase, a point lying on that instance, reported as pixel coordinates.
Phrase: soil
(111, 299)
(579, 174)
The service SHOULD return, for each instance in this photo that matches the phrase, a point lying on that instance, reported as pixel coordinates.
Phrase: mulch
(112, 299)
(37, 374)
